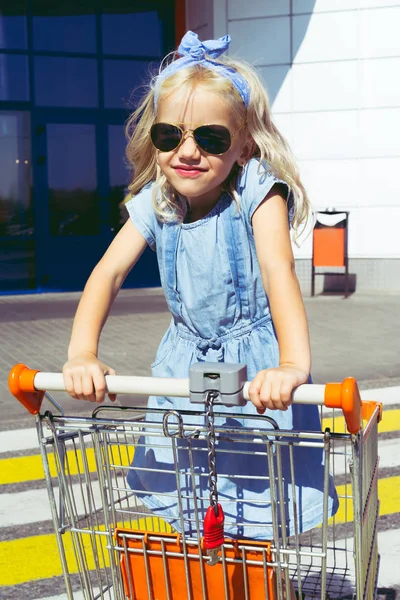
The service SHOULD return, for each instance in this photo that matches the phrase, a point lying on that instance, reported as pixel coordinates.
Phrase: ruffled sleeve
(141, 212)
(255, 183)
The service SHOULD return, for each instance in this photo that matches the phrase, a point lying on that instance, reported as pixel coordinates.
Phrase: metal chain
(212, 469)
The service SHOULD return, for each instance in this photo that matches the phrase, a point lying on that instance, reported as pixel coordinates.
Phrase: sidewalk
(358, 336)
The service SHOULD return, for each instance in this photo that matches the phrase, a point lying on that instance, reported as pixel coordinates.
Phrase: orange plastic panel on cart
(164, 555)
(329, 247)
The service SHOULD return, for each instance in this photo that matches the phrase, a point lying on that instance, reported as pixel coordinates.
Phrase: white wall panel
(325, 37)
(374, 233)
(326, 86)
(284, 122)
(378, 3)
(302, 248)
(325, 135)
(261, 41)
(309, 6)
(379, 184)
(337, 104)
(257, 8)
(380, 32)
(380, 133)
(278, 83)
(370, 183)
(334, 184)
(380, 86)
(317, 6)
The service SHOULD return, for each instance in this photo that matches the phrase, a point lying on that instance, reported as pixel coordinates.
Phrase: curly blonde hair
(268, 144)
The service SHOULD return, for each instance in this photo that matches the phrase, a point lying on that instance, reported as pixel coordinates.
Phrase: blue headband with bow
(195, 52)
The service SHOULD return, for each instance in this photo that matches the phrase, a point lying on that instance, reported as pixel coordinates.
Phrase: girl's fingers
(281, 393)
(275, 394)
(286, 393)
(265, 394)
(69, 384)
(271, 389)
(88, 389)
(254, 391)
(99, 382)
(85, 380)
(77, 379)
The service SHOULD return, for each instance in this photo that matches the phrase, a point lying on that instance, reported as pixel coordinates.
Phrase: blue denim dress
(212, 282)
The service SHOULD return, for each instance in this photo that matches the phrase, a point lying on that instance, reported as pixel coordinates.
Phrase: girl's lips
(188, 171)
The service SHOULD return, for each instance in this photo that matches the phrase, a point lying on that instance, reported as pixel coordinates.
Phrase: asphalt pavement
(357, 336)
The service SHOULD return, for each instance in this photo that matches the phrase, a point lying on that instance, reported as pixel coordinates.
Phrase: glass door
(145, 273)
(17, 232)
(74, 225)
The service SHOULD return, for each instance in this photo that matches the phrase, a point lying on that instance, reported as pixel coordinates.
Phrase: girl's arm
(84, 373)
(272, 388)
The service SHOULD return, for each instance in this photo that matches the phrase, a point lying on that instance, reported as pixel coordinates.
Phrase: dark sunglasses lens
(214, 139)
(165, 137)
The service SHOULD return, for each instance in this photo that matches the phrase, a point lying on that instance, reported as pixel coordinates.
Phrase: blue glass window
(13, 32)
(120, 175)
(72, 179)
(14, 85)
(65, 81)
(72, 33)
(124, 80)
(139, 34)
(17, 252)
(119, 170)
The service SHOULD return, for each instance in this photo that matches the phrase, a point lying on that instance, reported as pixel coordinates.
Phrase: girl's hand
(272, 388)
(84, 378)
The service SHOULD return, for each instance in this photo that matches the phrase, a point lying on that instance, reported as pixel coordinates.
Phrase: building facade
(69, 78)
(330, 67)
(70, 73)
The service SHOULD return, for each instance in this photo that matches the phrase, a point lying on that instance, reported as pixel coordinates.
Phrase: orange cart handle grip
(346, 396)
(21, 383)
(28, 387)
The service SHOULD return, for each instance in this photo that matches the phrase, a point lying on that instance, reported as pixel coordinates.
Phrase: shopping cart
(113, 546)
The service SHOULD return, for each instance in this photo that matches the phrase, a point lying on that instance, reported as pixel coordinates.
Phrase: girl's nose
(188, 147)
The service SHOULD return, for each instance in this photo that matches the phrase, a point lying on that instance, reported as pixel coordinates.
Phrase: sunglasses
(213, 139)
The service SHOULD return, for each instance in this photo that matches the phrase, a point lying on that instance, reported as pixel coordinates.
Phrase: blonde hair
(268, 144)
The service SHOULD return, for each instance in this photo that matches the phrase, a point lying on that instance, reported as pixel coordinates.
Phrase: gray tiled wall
(367, 275)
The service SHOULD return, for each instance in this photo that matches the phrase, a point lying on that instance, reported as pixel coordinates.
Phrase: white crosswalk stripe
(26, 439)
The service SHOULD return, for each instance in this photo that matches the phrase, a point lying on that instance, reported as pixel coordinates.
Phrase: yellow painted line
(37, 557)
(390, 422)
(388, 493)
(30, 468)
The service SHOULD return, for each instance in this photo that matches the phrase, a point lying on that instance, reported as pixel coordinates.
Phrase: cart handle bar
(29, 385)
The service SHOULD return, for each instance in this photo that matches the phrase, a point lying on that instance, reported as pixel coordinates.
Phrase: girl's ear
(247, 151)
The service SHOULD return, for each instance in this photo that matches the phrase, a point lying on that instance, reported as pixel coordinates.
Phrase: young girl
(214, 192)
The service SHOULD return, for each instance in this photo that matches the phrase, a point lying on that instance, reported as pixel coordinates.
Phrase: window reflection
(72, 33)
(119, 175)
(118, 37)
(13, 24)
(65, 81)
(125, 82)
(72, 179)
(12, 32)
(14, 77)
(17, 258)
